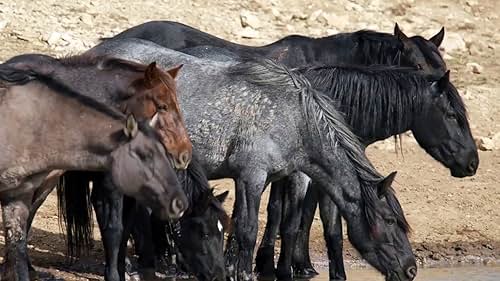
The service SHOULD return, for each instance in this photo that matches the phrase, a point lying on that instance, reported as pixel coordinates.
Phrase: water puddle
(478, 273)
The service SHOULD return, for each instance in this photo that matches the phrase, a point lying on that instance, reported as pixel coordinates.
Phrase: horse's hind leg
(108, 205)
(302, 265)
(332, 225)
(294, 191)
(264, 262)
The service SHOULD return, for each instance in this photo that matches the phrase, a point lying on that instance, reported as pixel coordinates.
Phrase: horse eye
(419, 67)
(451, 116)
(390, 221)
(162, 107)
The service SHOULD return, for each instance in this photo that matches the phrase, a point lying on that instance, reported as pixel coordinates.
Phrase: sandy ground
(454, 220)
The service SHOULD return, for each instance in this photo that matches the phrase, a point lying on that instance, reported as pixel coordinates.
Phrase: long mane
(328, 124)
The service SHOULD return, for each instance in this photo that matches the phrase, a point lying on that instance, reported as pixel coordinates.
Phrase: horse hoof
(264, 263)
(305, 272)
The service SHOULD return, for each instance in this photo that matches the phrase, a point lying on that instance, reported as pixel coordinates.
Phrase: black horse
(361, 47)
(198, 235)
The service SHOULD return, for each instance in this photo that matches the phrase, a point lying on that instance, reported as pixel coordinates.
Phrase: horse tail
(75, 211)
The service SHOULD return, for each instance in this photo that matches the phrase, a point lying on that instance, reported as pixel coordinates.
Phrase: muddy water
(480, 273)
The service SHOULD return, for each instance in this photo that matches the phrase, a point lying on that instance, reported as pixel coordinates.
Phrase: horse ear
(438, 38)
(175, 71)
(152, 75)
(386, 184)
(222, 197)
(131, 127)
(154, 120)
(399, 34)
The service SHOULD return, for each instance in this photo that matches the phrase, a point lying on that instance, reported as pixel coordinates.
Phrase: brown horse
(48, 126)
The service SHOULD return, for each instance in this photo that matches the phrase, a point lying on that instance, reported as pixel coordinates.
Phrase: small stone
(496, 140)
(3, 24)
(485, 144)
(474, 67)
(86, 19)
(249, 19)
(248, 32)
(53, 38)
(453, 42)
(337, 22)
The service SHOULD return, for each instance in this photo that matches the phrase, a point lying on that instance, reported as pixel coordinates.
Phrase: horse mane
(376, 47)
(21, 77)
(373, 98)
(197, 189)
(330, 126)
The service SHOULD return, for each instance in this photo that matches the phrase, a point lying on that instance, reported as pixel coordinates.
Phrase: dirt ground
(454, 221)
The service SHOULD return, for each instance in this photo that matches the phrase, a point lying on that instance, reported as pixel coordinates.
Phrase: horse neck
(89, 81)
(80, 137)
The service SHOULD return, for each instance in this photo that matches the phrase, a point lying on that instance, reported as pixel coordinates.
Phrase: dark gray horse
(374, 113)
(46, 127)
(258, 122)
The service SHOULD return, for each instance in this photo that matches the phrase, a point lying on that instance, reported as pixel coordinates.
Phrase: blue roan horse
(257, 122)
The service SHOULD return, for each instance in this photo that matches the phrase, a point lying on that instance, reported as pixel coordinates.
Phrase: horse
(361, 47)
(375, 112)
(133, 88)
(462, 164)
(38, 109)
(231, 111)
(195, 242)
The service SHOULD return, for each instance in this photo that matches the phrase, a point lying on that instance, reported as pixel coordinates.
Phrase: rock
(86, 19)
(3, 24)
(53, 38)
(249, 19)
(474, 67)
(485, 144)
(248, 32)
(496, 140)
(453, 42)
(335, 21)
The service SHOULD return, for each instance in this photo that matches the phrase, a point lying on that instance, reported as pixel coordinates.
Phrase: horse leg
(264, 262)
(302, 265)
(40, 196)
(15, 212)
(332, 225)
(108, 206)
(239, 255)
(129, 209)
(294, 191)
(143, 237)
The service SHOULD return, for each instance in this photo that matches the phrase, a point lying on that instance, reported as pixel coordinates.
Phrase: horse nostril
(178, 207)
(472, 166)
(411, 272)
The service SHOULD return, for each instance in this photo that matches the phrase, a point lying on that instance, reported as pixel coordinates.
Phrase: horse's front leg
(108, 206)
(264, 261)
(332, 225)
(15, 213)
(294, 193)
(40, 196)
(302, 266)
(239, 254)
